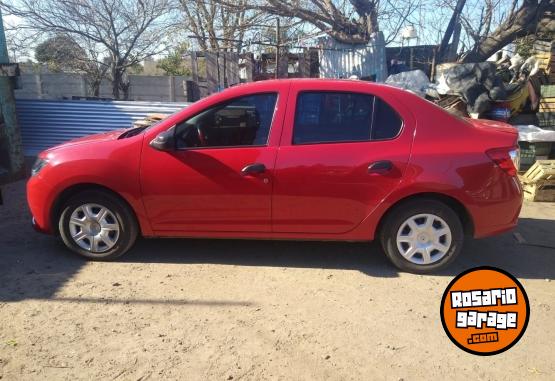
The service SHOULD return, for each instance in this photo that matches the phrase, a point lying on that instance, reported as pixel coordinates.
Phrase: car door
(343, 150)
(219, 176)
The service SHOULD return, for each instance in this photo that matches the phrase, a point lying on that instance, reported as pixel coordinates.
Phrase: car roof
(356, 83)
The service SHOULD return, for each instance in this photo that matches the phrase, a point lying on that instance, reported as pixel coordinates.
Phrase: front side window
(244, 121)
(329, 117)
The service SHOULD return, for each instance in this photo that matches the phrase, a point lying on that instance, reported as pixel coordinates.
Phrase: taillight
(505, 158)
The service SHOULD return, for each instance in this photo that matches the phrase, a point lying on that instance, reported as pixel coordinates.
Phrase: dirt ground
(254, 310)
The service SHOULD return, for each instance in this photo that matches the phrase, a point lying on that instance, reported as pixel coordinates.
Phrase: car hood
(104, 136)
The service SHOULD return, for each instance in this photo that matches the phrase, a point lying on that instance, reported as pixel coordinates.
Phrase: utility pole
(11, 154)
(278, 43)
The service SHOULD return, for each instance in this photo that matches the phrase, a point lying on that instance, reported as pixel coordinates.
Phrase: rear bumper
(495, 230)
(498, 211)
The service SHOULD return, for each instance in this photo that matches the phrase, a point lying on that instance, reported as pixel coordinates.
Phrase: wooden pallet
(546, 106)
(546, 119)
(543, 190)
(541, 170)
(544, 60)
(540, 46)
(547, 91)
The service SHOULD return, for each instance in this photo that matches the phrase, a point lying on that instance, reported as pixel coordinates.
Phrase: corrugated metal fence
(339, 60)
(48, 123)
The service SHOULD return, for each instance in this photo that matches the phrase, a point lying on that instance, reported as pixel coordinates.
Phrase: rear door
(342, 151)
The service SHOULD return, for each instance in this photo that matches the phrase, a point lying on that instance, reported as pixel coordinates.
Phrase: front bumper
(40, 199)
(37, 227)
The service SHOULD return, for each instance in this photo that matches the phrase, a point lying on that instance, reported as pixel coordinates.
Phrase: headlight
(39, 164)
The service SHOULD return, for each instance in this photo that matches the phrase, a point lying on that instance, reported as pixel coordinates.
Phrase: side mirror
(164, 141)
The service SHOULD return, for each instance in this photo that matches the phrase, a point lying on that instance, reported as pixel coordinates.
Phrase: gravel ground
(254, 310)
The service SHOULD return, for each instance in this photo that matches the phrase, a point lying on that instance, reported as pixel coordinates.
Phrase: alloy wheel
(424, 239)
(94, 228)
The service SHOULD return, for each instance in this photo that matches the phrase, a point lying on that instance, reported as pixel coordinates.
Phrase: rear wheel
(97, 225)
(422, 236)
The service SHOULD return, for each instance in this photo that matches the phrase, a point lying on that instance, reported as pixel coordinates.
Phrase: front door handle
(380, 167)
(253, 168)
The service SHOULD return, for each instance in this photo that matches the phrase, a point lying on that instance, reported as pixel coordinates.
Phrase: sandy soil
(252, 310)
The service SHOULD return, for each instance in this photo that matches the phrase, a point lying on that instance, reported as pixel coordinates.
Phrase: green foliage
(174, 64)
(60, 53)
(524, 46)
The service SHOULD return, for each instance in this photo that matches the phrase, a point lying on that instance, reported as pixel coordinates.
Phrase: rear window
(329, 117)
(387, 123)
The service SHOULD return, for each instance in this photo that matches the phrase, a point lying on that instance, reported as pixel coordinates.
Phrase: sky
(430, 20)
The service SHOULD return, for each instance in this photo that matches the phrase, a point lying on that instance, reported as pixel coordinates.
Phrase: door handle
(380, 167)
(253, 168)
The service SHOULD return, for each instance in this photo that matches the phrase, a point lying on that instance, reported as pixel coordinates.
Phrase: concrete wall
(65, 86)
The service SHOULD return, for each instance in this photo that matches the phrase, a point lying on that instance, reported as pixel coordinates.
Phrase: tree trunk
(531, 17)
(95, 88)
(116, 79)
(124, 85)
(452, 51)
(442, 52)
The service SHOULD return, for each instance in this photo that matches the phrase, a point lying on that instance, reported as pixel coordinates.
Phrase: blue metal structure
(48, 123)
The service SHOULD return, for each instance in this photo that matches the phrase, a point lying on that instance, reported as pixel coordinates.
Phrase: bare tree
(500, 23)
(120, 32)
(19, 41)
(349, 21)
(216, 28)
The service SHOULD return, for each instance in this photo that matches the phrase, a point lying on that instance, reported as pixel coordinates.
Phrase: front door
(341, 153)
(219, 177)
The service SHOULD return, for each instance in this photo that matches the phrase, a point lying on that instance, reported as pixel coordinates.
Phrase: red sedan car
(287, 159)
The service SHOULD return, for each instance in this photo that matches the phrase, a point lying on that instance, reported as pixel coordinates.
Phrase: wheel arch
(74, 189)
(453, 203)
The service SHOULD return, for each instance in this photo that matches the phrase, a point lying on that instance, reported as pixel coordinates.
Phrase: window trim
(346, 141)
(276, 93)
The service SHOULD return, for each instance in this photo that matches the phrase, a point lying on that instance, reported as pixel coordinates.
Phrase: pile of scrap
(509, 88)
(479, 90)
(149, 120)
(415, 81)
(538, 182)
(487, 90)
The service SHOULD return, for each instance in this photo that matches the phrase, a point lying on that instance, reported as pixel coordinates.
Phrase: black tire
(128, 227)
(400, 214)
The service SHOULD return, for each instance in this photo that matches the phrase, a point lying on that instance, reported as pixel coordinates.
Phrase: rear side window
(328, 117)
(387, 123)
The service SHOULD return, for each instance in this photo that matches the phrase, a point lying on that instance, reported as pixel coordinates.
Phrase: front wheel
(422, 236)
(97, 225)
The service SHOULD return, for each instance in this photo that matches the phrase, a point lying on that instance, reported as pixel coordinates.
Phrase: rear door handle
(253, 168)
(380, 167)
